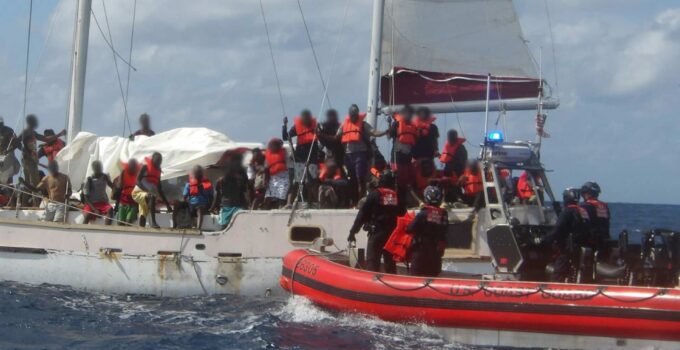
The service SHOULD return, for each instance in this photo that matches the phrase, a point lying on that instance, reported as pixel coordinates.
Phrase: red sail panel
(407, 86)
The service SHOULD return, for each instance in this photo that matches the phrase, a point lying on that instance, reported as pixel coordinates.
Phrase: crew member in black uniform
(573, 220)
(599, 217)
(379, 215)
(429, 235)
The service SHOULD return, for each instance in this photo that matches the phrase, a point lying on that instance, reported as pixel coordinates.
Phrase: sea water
(51, 317)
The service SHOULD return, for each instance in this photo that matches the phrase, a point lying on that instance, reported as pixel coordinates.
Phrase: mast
(78, 67)
(374, 65)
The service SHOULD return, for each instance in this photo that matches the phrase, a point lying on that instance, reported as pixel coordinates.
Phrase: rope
(115, 62)
(316, 60)
(271, 54)
(101, 31)
(127, 84)
(552, 46)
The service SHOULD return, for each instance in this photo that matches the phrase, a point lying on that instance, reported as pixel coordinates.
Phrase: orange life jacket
(601, 209)
(324, 174)
(276, 161)
(473, 183)
(450, 150)
(305, 134)
(128, 181)
(375, 172)
(153, 174)
(352, 132)
(407, 133)
(193, 185)
(581, 211)
(434, 215)
(423, 126)
(399, 243)
(52, 150)
(524, 189)
(388, 197)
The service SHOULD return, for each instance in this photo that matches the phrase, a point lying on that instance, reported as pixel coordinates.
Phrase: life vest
(601, 208)
(305, 134)
(276, 161)
(153, 174)
(388, 197)
(352, 132)
(407, 133)
(324, 174)
(450, 150)
(524, 189)
(52, 150)
(375, 172)
(435, 215)
(423, 126)
(128, 181)
(400, 242)
(193, 185)
(473, 183)
(582, 212)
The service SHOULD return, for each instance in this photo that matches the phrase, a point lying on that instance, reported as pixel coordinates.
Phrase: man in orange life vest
(276, 175)
(199, 193)
(378, 215)
(427, 142)
(572, 220)
(304, 129)
(51, 148)
(454, 156)
(429, 235)
(525, 190)
(126, 207)
(599, 216)
(404, 135)
(148, 189)
(471, 183)
(333, 186)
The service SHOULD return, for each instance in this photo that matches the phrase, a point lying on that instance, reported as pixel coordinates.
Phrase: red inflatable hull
(558, 308)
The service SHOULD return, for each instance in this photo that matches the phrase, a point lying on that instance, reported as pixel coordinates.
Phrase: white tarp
(181, 148)
(455, 36)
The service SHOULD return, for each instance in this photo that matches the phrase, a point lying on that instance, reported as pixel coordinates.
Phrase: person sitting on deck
(144, 127)
(51, 148)
(333, 185)
(306, 153)
(276, 175)
(126, 207)
(256, 178)
(94, 195)
(148, 189)
(232, 192)
(58, 189)
(471, 183)
(427, 143)
(199, 193)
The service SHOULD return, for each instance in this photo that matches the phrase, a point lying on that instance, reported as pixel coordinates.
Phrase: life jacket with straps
(352, 132)
(194, 183)
(325, 175)
(52, 150)
(435, 215)
(473, 183)
(450, 150)
(423, 126)
(582, 212)
(601, 208)
(407, 133)
(128, 183)
(305, 134)
(153, 174)
(276, 161)
(524, 189)
(400, 242)
(388, 197)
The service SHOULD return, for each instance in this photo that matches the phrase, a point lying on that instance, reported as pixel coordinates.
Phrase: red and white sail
(439, 53)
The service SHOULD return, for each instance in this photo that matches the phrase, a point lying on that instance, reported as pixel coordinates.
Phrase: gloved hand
(352, 237)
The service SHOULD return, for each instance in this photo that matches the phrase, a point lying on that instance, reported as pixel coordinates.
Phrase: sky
(207, 64)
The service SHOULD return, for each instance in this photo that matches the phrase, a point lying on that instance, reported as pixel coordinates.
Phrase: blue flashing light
(495, 137)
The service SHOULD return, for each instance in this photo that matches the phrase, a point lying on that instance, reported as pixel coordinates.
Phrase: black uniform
(429, 229)
(427, 144)
(599, 223)
(379, 212)
(573, 220)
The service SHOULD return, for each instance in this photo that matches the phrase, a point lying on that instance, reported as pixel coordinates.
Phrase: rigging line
(316, 60)
(552, 47)
(44, 48)
(334, 55)
(127, 84)
(28, 52)
(101, 31)
(115, 62)
(271, 54)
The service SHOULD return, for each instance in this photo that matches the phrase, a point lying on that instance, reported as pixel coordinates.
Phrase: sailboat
(468, 56)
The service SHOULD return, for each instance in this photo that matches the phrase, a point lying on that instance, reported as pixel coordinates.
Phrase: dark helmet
(433, 195)
(571, 195)
(387, 179)
(591, 187)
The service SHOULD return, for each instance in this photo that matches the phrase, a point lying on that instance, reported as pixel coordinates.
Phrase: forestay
(181, 148)
(439, 53)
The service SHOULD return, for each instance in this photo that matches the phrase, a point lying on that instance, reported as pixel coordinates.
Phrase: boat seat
(609, 270)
